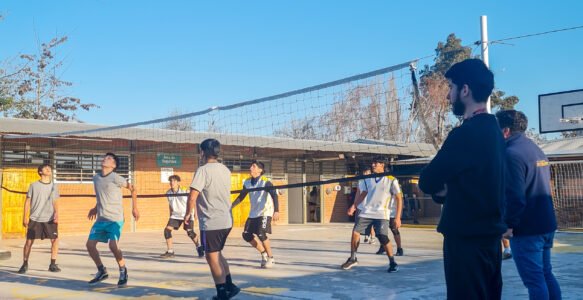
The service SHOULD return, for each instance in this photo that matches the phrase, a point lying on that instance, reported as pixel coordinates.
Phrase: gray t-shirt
(109, 196)
(213, 181)
(42, 196)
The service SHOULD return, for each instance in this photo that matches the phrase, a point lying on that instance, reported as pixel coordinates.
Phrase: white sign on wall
(165, 173)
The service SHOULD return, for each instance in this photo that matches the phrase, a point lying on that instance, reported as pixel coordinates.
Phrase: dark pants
(473, 267)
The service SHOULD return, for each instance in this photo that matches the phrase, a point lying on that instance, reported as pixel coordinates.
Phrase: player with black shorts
(210, 192)
(41, 201)
(264, 208)
(375, 211)
(177, 202)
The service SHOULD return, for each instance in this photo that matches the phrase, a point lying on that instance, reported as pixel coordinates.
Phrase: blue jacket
(529, 204)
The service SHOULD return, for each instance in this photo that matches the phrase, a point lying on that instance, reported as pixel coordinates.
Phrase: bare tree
(299, 129)
(395, 130)
(36, 91)
(180, 124)
(344, 121)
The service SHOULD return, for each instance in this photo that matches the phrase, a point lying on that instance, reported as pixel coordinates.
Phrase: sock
(123, 269)
(392, 259)
(264, 255)
(170, 251)
(353, 255)
(221, 290)
(53, 261)
(229, 280)
(101, 268)
(507, 250)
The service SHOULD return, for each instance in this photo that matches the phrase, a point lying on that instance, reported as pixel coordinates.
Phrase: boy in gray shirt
(41, 200)
(109, 213)
(210, 191)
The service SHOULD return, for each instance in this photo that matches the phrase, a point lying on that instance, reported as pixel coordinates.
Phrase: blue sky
(141, 59)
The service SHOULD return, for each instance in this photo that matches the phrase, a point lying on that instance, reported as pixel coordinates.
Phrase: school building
(150, 155)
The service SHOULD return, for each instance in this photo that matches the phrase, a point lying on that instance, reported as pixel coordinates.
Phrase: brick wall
(283, 204)
(335, 204)
(154, 212)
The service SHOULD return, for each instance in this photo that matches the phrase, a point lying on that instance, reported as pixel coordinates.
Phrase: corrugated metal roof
(43, 127)
(564, 147)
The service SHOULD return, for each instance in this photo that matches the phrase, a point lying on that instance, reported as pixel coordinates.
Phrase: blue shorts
(104, 231)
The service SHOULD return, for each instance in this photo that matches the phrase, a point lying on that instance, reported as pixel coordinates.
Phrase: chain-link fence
(567, 186)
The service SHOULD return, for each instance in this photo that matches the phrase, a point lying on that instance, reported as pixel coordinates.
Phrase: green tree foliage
(432, 107)
(501, 102)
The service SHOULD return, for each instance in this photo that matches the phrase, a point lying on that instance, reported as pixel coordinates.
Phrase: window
(24, 158)
(80, 168)
(237, 165)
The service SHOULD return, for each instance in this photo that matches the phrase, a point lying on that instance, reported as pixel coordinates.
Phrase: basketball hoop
(573, 120)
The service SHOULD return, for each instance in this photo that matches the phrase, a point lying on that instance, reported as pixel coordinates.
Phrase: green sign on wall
(168, 160)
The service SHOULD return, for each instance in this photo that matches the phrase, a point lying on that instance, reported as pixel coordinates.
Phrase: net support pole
(484, 46)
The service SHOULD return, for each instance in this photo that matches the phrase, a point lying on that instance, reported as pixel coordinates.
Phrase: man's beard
(458, 107)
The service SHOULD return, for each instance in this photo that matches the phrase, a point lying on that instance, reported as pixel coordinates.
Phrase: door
(313, 199)
(295, 200)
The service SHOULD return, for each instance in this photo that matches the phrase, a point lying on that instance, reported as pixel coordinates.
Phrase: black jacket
(471, 163)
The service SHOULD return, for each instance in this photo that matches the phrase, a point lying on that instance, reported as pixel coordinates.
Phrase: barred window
(236, 165)
(13, 158)
(80, 168)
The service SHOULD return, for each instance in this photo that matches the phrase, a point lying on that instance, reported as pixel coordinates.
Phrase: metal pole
(484, 44)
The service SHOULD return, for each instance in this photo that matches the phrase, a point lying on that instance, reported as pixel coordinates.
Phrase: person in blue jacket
(530, 214)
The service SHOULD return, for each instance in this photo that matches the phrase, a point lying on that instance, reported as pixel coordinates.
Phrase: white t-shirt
(213, 181)
(379, 190)
(392, 207)
(261, 201)
(361, 188)
(178, 203)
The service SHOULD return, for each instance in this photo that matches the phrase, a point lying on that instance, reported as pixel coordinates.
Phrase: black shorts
(214, 240)
(258, 226)
(42, 230)
(175, 223)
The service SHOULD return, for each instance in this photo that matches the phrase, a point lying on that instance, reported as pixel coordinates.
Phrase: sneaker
(349, 264)
(366, 238)
(100, 276)
(54, 268)
(269, 263)
(23, 269)
(167, 254)
(381, 250)
(393, 267)
(263, 261)
(123, 278)
(200, 250)
(399, 252)
(506, 255)
(233, 290)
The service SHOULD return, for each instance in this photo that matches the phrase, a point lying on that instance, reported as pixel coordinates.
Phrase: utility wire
(530, 35)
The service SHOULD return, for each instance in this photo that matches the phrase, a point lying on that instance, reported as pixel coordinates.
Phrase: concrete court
(308, 259)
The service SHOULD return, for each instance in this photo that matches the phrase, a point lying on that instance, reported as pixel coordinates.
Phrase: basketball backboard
(561, 111)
